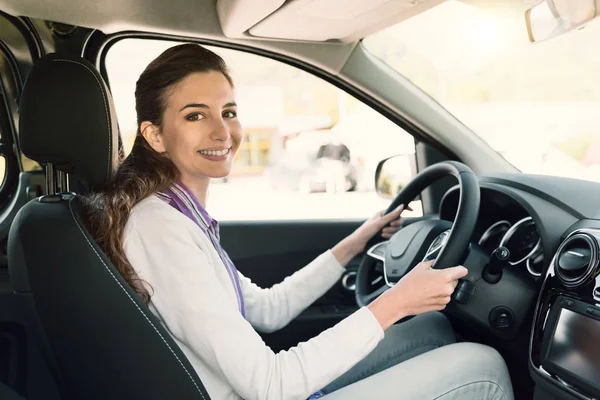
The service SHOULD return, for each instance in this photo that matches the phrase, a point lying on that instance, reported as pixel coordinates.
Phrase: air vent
(576, 260)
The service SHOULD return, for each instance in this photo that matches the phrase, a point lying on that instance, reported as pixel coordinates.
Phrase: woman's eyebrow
(200, 105)
(195, 105)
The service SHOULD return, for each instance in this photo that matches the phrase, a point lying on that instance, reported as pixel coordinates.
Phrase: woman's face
(201, 132)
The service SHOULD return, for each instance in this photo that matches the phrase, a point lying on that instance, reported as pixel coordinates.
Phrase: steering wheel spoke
(375, 294)
(378, 251)
(436, 247)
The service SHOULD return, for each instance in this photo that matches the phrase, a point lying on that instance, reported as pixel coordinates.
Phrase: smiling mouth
(217, 153)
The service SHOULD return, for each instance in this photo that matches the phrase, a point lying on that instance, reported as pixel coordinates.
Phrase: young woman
(153, 224)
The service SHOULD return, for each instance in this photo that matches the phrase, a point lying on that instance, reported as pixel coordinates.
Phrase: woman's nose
(220, 131)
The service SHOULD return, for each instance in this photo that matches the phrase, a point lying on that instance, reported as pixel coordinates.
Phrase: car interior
(71, 327)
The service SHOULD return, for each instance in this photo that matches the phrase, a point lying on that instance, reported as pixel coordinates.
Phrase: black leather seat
(7, 393)
(102, 339)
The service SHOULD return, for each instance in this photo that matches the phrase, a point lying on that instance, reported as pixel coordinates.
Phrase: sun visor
(340, 20)
(238, 16)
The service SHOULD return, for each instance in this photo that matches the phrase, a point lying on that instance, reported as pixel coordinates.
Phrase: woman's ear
(153, 136)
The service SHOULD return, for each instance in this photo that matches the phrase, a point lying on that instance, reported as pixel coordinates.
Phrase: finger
(398, 222)
(424, 265)
(389, 230)
(383, 220)
(435, 300)
(441, 291)
(452, 284)
(442, 300)
(395, 214)
(399, 209)
(448, 290)
(456, 273)
(386, 235)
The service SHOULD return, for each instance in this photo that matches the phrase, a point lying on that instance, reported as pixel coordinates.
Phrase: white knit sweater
(194, 298)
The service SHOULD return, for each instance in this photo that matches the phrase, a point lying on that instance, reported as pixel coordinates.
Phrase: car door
(272, 230)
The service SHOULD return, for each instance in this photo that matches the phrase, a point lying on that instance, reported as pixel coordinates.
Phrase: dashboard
(521, 238)
(503, 222)
(551, 226)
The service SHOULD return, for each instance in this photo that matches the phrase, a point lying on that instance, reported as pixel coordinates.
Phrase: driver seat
(103, 340)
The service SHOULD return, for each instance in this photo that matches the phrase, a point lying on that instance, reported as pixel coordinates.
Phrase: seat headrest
(67, 118)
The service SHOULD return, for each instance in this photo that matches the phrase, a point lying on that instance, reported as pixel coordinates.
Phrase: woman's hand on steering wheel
(421, 290)
(396, 224)
(356, 242)
(387, 224)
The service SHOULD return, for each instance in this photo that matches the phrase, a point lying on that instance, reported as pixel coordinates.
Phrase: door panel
(267, 252)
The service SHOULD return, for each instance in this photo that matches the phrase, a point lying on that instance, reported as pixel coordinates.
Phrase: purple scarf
(182, 199)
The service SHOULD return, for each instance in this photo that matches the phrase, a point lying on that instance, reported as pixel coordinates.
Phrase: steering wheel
(429, 239)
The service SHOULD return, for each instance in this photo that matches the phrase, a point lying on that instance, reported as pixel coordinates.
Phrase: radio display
(575, 347)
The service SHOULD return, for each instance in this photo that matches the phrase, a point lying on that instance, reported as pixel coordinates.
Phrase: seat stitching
(105, 110)
(134, 303)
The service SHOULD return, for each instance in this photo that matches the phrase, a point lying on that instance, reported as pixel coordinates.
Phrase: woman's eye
(229, 114)
(194, 117)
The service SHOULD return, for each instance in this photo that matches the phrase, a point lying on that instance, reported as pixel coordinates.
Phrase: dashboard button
(569, 303)
(593, 312)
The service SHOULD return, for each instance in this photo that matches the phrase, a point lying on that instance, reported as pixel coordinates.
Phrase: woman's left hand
(356, 243)
(387, 224)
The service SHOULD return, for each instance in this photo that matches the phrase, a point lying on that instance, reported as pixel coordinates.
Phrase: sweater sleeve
(194, 307)
(271, 309)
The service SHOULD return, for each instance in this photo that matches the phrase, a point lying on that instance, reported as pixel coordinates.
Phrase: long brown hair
(145, 172)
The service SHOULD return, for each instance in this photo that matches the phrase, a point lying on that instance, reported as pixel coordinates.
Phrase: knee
(482, 354)
(436, 322)
(482, 363)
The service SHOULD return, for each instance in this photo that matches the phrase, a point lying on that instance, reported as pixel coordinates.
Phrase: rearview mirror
(550, 18)
(393, 174)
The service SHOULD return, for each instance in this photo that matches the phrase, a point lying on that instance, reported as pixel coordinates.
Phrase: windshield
(536, 104)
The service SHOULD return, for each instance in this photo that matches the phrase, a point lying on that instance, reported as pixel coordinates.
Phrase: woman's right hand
(421, 290)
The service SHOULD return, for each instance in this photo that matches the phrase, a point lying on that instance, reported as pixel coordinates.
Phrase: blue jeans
(401, 342)
(459, 371)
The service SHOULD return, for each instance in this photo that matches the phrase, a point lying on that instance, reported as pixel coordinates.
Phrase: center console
(564, 351)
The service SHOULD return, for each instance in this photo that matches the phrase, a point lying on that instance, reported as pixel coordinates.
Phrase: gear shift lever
(498, 260)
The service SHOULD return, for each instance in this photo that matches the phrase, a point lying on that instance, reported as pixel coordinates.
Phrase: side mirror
(550, 18)
(393, 173)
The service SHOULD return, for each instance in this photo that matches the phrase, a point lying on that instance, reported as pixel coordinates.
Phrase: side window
(310, 150)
